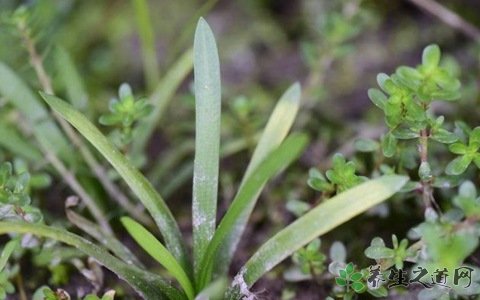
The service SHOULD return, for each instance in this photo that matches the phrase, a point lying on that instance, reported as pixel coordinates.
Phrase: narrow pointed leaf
(142, 188)
(277, 128)
(285, 154)
(71, 80)
(318, 221)
(152, 246)
(149, 285)
(207, 138)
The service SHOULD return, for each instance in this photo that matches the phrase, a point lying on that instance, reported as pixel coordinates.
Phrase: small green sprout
(14, 195)
(13, 187)
(310, 259)
(125, 112)
(350, 279)
(390, 256)
(340, 178)
(468, 153)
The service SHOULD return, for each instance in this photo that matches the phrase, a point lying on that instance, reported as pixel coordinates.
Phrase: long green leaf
(149, 285)
(149, 54)
(316, 222)
(160, 99)
(71, 80)
(46, 131)
(156, 250)
(285, 154)
(135, 180)
(207, 138)
(277, 128)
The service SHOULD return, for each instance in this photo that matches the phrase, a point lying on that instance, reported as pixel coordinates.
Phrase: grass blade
(277, 128)
(285, 154)
(149, 53)
(71, 80)
(207, 138)
(11, 140)
(160, 99)
(156, 250)
(20, 95)
(149, 285)
(135, 180)
(318, 221)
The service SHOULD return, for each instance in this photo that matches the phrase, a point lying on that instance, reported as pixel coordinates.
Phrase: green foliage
(340, 178)
(124, 113)
(46, 293)
(6, 287)
(351, 279)
(390, 256)
(310, 259)
(468, 153)
(355, 185)
(14, 195)
(405, 99)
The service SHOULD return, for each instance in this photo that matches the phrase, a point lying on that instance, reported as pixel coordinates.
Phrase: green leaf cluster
(350, 278)
(46, 293)
(310, 259)
(15, 202)
(124, 112)
(390, 256)
(468, 153)
(405, 99)
(340, 178)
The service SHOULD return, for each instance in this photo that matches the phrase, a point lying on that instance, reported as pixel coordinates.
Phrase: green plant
(213, 245)
(445, 240)
(351, 279)
(310, 259)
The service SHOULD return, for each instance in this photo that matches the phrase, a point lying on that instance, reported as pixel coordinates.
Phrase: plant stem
(21, 287)
(427, 192)
(115, 193)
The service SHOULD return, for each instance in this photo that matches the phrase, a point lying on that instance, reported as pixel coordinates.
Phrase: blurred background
(334, 49)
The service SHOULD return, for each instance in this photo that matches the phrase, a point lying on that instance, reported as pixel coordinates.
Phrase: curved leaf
(149, 285)
(277, 128)
(156, 250)
(276, 161)
(135, 180)
(318, 221)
